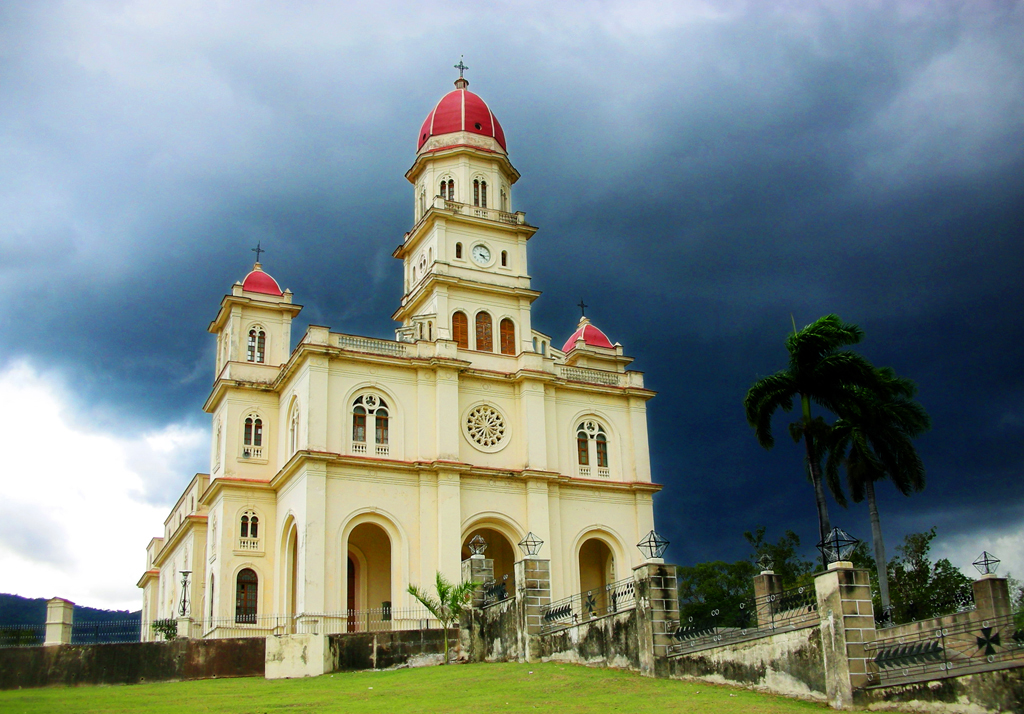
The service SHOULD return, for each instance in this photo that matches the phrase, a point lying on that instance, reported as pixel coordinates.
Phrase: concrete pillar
(480, 570)
(992, 597)
(847, 623)
(533, 592)
(657, 607)
(184, 627)
(765, 585)
(59, 618)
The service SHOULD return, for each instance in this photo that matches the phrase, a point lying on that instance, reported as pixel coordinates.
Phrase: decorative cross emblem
(257, 250)
(591, 603)
(988, 640)
(583, 307)
(461, 66)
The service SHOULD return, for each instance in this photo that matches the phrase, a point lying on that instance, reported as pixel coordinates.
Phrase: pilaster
(449, 525)
(657, 605)
(847, 623)
(314, 556)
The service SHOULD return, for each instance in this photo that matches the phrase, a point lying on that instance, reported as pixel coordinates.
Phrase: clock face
(481, 254)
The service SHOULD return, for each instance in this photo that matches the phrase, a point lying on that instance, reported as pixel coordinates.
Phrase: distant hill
(18, 610)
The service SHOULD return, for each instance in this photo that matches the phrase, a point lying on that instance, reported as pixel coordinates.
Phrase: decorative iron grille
(581, 608)
(106, 632)
(708, 625)
(22, 635)
(495, 590)
(939, 652)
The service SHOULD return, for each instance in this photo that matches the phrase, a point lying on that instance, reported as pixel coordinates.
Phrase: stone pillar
(59, 617)
(765, 585)
(657, 607)
(847, 623)
(533, 592)
(480, 570)
(992, 597)
(184, 627)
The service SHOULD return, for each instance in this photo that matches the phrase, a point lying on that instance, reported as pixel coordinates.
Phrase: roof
(461, 110)
(259, 282)
(592, 337)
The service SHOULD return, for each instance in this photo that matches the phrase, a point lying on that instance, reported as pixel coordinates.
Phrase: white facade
(376, 461)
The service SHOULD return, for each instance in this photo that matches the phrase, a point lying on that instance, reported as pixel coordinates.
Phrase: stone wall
(996, 691)
(612, 641)
(491, 634)
(788, 663)
(380, 650)
(131, 662)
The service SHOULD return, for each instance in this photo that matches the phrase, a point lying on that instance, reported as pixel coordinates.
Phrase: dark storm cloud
(699, 173)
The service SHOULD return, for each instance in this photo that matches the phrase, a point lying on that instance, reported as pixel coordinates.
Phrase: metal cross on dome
(461, 66)
(583, 307)
(257, 250)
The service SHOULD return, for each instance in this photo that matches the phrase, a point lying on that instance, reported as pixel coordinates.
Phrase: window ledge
(253, 553)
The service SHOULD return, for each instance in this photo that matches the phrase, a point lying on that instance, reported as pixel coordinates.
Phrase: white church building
(349, 467)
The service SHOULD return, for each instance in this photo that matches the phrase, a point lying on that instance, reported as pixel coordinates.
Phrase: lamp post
(530, 545)
(837, 546)
(653, 546)
(477, 545)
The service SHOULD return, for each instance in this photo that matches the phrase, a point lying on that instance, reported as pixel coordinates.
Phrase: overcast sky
(699, 172)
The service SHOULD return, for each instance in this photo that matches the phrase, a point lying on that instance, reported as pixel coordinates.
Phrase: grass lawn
(457, 689)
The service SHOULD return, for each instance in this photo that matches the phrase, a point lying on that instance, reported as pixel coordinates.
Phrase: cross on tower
(583, 308)
(257, 250)
(461, 66)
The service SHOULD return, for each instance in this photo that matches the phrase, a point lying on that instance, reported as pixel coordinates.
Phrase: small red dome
(259, 282)
(592, 337)
(461, 110)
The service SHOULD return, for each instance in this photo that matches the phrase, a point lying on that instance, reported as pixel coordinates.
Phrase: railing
(602, 472)
(705, 625)
(495, 591)
(358, 448)
(590, 376)
(490, 214)
(379, 449)
(383, 450)
(370, 345)
(581, 608)
(961, 600)
(252, 452)
(22, 635)
(974, 646)
(382, 619)
(105, 632)
(251, 544)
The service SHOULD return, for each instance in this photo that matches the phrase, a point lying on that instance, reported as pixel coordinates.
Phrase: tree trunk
(824, 527)
(876, 538)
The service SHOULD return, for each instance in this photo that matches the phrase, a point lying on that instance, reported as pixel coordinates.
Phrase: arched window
(448, 189)
(430, 330)
(504, 258)
(476, 192)
(507, 336)
(252, 437)
(373, 406)
(484, 332)
(246, 595)
(458, 251)
(293, 430)
(423, 202)
(212, 581)
(460, 330)
(257, 346)
(504, 199)
(483, 194)
(249, 526)
(592, 448)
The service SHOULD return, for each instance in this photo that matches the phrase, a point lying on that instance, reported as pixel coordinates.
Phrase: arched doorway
(368, 566)
(597, 571)
(500, 550)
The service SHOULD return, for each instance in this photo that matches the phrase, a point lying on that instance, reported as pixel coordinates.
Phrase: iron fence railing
(496, 590)
(106, 632)
(951, 603)
(580, 608)
(704, 625)
(322, 623)
(935, 653)
(22, 635)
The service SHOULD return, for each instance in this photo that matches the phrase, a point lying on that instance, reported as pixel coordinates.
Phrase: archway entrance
(369, 576)
(500, 550)
(597, 571)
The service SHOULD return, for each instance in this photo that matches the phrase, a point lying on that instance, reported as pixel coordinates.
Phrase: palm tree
(451, 600)
(872, 439)
(821, 372)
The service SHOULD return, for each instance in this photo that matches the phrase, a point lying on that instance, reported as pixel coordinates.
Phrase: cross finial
(583, 308)
(257, 250)
(461, 66)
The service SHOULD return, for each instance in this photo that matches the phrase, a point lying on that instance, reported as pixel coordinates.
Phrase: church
(347, 468)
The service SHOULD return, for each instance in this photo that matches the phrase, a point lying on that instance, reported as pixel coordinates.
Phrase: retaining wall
(996, 691)
(131, 662)
(491, 634)
(613, 641)
(380, 650)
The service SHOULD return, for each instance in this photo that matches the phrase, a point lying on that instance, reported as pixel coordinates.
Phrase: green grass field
(469, 689)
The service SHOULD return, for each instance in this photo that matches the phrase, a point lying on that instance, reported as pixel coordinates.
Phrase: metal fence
(948, 603)
(105, 632)
(22, 635)
(384, 619)
(495, 591)
(705, 625)
(976, 645)
(581, 608)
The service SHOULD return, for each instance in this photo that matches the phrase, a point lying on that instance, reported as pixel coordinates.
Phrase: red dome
(461, 110)
(259, 282)
(592, 337)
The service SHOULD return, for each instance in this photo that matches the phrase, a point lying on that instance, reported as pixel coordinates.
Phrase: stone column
(59, 617)
(657, 607)
(765, 585)
(847, 623)
(992, 597)
(184, 627)
(480, 570)
(533, 592)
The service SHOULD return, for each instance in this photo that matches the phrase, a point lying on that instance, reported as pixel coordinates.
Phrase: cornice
(190, 523)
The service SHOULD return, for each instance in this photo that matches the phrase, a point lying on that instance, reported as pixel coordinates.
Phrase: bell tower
(465, 258)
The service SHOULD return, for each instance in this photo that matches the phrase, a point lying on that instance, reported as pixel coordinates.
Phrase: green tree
(449, 604)
(166, 628)
(922, 589)
(872, 440)
(819, 372)
(787, 562)
(717, 592)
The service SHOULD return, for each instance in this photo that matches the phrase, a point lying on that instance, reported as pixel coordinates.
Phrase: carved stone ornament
(485, 428)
